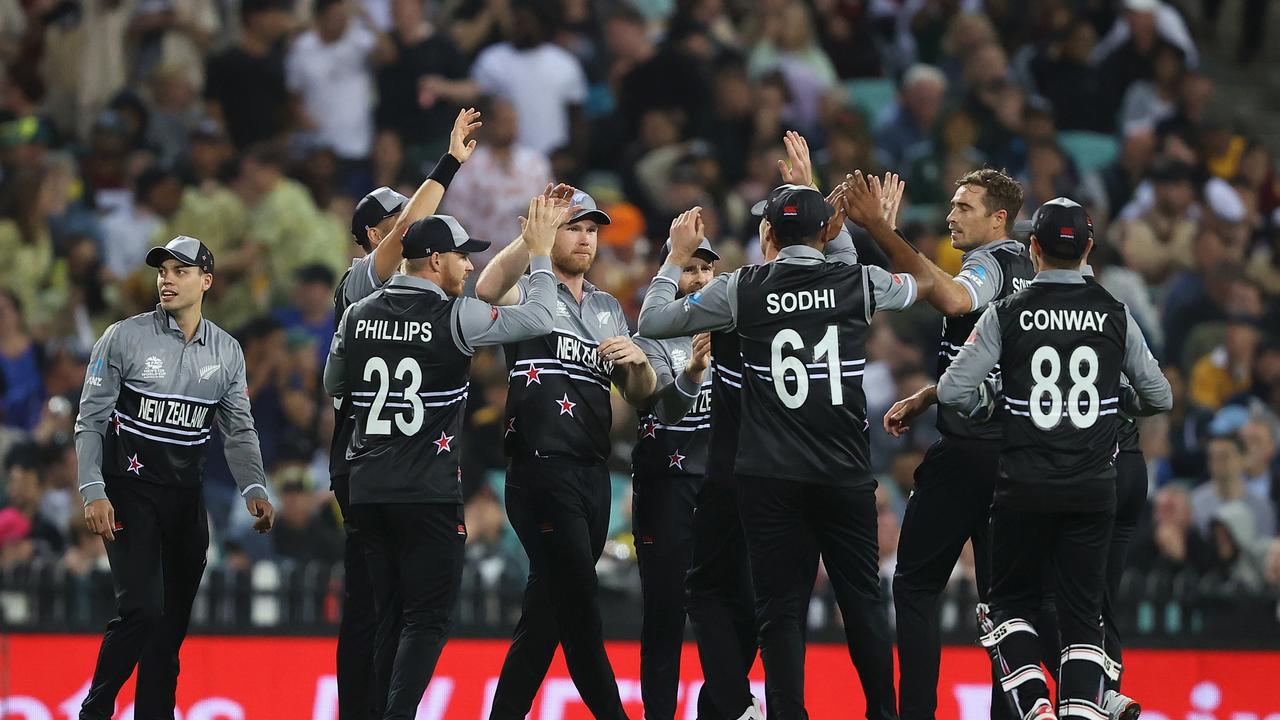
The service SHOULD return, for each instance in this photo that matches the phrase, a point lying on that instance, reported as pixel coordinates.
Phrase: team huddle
(752, 461)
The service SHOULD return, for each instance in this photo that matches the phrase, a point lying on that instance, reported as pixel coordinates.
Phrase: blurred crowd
(255, 126)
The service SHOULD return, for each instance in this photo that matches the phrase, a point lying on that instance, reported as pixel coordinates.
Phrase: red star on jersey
(511, 427)
(134, 465)
(115, 423)
(566, 406)
(442, 445)
(677, 461)
(531, 376)
(650, 429)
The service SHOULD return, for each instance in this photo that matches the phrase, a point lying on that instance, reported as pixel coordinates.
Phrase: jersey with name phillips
(407, 383)
(677, 445)
(558, 384)
(988, 273)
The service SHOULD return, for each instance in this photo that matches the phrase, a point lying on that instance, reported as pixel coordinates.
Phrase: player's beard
(571, 263)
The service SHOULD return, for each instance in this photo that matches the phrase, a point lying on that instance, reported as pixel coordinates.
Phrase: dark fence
(282, 598)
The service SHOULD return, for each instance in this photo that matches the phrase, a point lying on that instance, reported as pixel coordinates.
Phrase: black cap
(1063, 228)
(794, 211)
(589, 211)
(704, 249)
(186, 250)
(373, 209)
(439, 233)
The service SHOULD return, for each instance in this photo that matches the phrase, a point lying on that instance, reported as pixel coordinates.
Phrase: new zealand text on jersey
(701, 404)
(571, 349)
(172, 412)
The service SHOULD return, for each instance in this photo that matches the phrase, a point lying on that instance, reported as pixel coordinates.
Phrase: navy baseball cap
(589, 211)
(374, 208)
(186, 250)
(704, 249)
(794, 211)
(439, 234)
(1063, 228)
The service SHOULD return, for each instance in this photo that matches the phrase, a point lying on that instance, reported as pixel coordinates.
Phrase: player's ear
(206, 281)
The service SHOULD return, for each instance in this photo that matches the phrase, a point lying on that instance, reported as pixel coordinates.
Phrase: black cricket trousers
(951, 504)
(157, 560)
(360, 697)
(719, 599)
(782, 520)
(415, 552)
(559, 509)
(1073, 546)
(662, 524)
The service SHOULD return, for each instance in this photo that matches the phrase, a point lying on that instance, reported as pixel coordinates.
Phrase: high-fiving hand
(467, 122)
(538, 230)
(797, 169)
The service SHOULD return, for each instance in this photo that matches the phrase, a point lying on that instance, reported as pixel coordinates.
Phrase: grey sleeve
(97, 401)
(982, 277)
(673, 395)
(962, 387)
(239, 438)
(1149, 392)
(712, 308)
(840, 249)
(892, 291)
(362, 280)
(479, 324)
(335, 368)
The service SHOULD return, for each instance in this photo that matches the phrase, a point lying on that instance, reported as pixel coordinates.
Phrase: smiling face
(575, 247)
(181, 286)
(695, 276)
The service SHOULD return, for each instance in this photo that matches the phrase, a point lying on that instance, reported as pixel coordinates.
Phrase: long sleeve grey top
(149, 402)
(675, 393)
(478, 323)
(962, 388)
(715, 307)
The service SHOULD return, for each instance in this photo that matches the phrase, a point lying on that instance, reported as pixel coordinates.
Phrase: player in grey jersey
(156, 384)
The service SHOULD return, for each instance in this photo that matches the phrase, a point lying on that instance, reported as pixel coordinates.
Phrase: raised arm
(498, 279)
(426, 200)
(864, 207)
(711, 308)
(480, 324)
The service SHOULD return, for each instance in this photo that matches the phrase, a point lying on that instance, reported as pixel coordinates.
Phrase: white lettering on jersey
(172, 412)
(789, 302)
(1083, 320)
(574, 350)
(396, 330)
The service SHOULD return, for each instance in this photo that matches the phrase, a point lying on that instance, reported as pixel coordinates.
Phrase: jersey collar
(170, 323)
(1005, 244)
(1070, 277)
(410, 282)
(800, 253)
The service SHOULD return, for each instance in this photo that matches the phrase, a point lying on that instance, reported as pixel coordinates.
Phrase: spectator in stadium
(1128, 53)
(245, 87)
(329, 68)
(132, 228)
(26, 207)
(1238, 559)
(1123, 176)
(913, 119)
(1225, 371)
(1226, 484)
(311, 307)
(305, 531)
(1064, 75)
(788, 45)
(494, 186)
(21, 385)
(1159, 242)
(542, 80)
(1171, 544)
(26, 532)
(1150, 102)
(175, 112)
(285, 222)
(1260, 460)
(407, 106)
